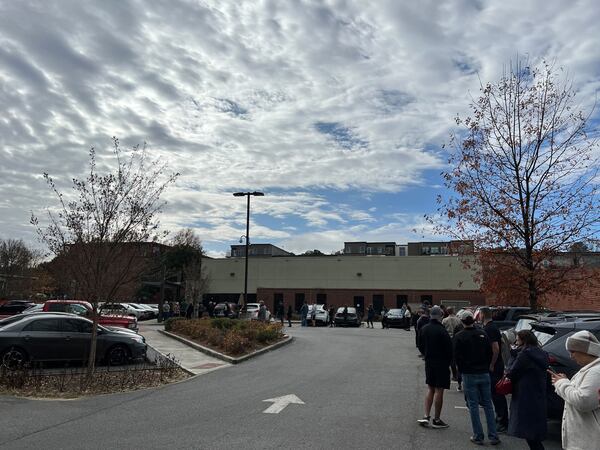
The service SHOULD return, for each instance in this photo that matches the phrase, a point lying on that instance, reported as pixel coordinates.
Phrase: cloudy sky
(337, 110)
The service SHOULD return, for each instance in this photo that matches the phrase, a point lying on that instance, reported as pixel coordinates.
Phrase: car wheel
(117, 355)
(14, 358)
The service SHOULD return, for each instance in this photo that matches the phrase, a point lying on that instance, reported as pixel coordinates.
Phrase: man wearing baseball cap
(473, 355)
(436, 346)
(581, 417)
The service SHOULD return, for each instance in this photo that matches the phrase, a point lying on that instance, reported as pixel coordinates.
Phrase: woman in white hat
(581, 417)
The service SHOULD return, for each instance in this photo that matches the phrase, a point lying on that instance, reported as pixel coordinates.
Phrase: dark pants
(500, 405)
(535, 445)
(289, 318)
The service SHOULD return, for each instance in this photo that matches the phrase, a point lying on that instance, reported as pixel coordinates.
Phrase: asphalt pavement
(358, 388)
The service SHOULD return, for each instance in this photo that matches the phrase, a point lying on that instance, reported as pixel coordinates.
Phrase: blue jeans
(304, 321)
(476, 387)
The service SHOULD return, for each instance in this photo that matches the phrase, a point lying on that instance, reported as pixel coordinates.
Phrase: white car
(147, 311)
(321, 314)
(250, 311)
(123, 309)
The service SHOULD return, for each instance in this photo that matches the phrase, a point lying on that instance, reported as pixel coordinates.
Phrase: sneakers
(476, 441)
(425, 421)
(495, 441)
(438, 423)
(500, 428)
(459, 387)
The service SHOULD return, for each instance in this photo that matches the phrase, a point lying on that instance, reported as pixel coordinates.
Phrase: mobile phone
(549, 370)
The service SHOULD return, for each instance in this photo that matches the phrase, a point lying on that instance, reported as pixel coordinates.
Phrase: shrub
(170, 323)
(235, 342)
(269, 333)
(214, 337)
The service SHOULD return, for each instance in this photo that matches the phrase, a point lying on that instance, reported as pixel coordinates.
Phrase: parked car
(250, 311)
(38, 307)
(230, 310)
(503, 316)
(552, 337)
(83, 308)
(350, 319)
(394, 318)
(125, 309)
(149, 311)
(12, 307)
(65, 337)
(321, 315)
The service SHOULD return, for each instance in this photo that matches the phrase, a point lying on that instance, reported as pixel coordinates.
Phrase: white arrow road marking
(279, 403)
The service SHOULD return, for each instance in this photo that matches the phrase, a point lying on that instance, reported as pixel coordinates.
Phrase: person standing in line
(331, 316)
(370, 316)
(211, 309)
(452, 324)
(313, 315)
(281, 311)
(581, 416)
(166, 311)
(423, 320)
(527, 418)
(473, 354)
(496, 369)
(384, 311)
(436, 346)
(304, 314)
(262, 312)
(290, 311)
(408, 315)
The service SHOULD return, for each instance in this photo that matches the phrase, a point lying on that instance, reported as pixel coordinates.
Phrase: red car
(85, 309)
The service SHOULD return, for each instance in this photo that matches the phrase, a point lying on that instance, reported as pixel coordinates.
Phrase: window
(299, 301)
(427, 298)
(369, 250)
(74, 308)
(400, 300)
(378, 303)
(401, 251)
(76, 326)
(43, 325)
(321, 299)
(57, 307)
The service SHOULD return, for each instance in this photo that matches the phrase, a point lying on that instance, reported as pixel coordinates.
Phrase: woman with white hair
(581, 417)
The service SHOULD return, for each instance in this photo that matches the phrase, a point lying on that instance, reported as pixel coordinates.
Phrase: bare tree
(186, 255)
(17, 262)
(524, 179)
(97, 235)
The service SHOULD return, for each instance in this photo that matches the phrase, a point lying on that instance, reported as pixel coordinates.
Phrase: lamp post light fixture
(247, 236)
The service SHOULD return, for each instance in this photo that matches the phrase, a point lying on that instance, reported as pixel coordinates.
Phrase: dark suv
(552, 338)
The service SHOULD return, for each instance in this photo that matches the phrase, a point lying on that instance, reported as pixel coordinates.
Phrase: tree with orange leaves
(524, 183)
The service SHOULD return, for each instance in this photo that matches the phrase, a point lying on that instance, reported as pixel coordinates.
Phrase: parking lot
(360, 388)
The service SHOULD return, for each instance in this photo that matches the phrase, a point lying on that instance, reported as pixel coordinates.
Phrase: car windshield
(394, 312)
(542, 337)
(351, 310)
(524, 324)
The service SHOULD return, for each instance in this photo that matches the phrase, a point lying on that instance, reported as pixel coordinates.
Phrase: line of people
(454, 344)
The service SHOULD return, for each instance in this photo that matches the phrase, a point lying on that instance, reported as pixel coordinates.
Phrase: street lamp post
(247, 194)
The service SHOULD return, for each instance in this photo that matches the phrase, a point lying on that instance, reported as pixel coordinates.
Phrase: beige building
(339, 280)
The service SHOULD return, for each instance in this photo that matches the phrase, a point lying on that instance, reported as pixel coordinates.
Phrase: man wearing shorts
(436, 346)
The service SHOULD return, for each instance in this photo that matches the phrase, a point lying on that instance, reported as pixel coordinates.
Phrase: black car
(348, 318)
(394, 318)
(64, 337)
(13, 307)
(230, 310)
(553, 337)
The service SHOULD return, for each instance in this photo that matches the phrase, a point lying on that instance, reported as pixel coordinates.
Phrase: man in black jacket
(436, 346)
(473, 355)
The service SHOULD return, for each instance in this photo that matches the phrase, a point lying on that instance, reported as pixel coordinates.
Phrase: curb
(221, 356)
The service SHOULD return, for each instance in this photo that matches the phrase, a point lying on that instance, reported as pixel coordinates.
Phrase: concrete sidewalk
(189, 359)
